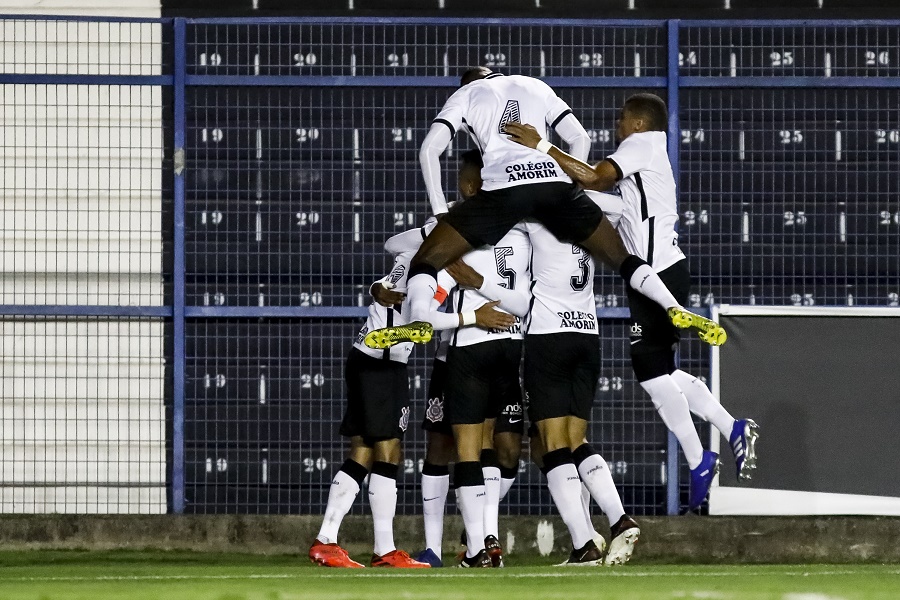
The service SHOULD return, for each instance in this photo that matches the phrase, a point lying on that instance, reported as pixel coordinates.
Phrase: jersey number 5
(580, 281)
(500, 254)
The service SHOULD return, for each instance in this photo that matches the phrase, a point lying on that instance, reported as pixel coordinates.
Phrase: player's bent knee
(649, 365)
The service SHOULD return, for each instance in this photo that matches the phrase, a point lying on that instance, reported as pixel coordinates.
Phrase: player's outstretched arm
(600, 177)
(512, 301)
(437, 140)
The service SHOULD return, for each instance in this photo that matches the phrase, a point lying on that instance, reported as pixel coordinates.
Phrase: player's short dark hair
(652, 108)
(472, 157)
(474, 74)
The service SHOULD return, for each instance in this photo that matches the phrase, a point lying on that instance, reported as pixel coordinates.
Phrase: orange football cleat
(398, 559)
(332, 555)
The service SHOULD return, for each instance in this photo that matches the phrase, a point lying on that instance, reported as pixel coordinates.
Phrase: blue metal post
(674, 141)
(178, 296)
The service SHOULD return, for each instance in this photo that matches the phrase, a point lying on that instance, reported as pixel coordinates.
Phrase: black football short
(482, 379)
(649, 329)
(561, 372)
(435, 418)
(563, 208)
(377, 398)
(511, 419)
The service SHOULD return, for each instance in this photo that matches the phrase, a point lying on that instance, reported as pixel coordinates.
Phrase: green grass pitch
(74, 575)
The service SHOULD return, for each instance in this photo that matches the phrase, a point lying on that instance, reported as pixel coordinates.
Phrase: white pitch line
(395, 575)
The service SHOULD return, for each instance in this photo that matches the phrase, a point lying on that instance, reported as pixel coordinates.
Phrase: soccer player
(562, 365)
(376, 417)
(501, 449)
(483, 375)
(519, 182)
(640, 169)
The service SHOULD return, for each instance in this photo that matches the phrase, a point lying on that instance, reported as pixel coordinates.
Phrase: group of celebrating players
(508, 270)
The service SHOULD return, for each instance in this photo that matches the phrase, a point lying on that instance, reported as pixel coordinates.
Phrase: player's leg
(652, 343)
(490, 468)
(440, 451)
(506, 413)
(548, 389)
(481, 220)
(383, 502)
(466, 405)
(348, 480)
(386, 410)
(383, 494)
(468, 479)
(509, 451)
(575, 218)
(345, 486)
(742, 434)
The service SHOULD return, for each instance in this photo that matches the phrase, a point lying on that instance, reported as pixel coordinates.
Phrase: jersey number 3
(510, 115)
(580, 281)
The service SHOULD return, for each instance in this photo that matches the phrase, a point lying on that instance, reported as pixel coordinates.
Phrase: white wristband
(468, 318)
(544, 146)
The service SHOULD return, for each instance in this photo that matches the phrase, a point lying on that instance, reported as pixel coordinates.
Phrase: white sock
(471, 505)
(646, 281)
(703, 403)
(420, 290)
(505, 484)
(595, 474)
(341, 496)
(491, 501)
(672, 406)
(434, 499)
(383, 501)
(565, 488)
(586, 505)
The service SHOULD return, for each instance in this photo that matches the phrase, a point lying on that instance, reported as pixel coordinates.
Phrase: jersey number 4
(510, 115)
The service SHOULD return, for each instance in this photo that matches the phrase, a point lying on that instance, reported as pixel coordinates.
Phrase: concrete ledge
(663, 540)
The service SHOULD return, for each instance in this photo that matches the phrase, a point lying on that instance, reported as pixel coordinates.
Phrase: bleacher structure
(193, 211)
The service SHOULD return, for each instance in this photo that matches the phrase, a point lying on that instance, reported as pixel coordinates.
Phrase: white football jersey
(505, 264)
(381, 316)
(482, 108)
(647, 187)
(563, 288)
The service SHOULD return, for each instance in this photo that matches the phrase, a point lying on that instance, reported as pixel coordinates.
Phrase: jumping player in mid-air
(519, 182)
(641, 170)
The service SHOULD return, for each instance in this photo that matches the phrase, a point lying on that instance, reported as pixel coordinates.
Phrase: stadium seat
(281, 290)
(251, 464)
(235, 423)
(273, 339)
(267, 379)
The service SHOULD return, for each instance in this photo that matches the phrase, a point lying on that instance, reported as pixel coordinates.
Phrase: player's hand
(488, 318)
(465, 275)
(523, 134)
(386, 296)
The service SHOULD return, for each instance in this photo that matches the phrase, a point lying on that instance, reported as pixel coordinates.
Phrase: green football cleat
(418, 332)
(707, 330)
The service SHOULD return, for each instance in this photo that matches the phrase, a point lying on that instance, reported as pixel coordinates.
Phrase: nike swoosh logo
(633, 342)
(515, 420)
(430, 499)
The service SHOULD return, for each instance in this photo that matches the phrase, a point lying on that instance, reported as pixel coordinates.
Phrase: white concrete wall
(82, 420)
(95, 8)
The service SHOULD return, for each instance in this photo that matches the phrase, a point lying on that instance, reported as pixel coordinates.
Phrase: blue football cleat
(428, 556)
(702, 477)
(743, 444)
